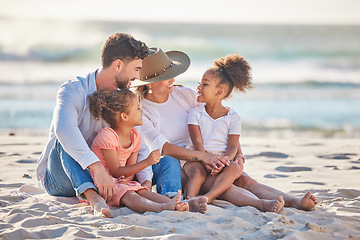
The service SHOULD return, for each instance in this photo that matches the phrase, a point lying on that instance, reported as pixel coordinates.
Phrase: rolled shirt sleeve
(153, 137)
(69, 106)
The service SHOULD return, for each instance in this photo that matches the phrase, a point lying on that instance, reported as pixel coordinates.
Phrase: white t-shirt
(167, 122)
(215, 132)
(173, 121)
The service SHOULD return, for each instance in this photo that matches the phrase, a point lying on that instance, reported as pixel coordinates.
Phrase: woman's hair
(122, 46)
(106, 104)
(142, 90)
(233, 71)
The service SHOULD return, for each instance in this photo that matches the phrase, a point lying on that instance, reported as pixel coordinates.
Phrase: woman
(165, 112)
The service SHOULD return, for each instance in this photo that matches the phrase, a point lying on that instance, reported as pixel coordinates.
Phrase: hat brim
(181, 63)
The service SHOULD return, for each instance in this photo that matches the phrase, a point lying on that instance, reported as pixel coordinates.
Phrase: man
(63, 167)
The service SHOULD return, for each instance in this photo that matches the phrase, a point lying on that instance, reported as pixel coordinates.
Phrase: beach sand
(329, 168)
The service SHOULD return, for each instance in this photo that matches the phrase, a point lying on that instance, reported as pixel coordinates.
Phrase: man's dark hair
(124, 47)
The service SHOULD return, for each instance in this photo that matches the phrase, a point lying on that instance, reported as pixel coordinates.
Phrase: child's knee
(236, 169)
(195, 169)
(127, 197)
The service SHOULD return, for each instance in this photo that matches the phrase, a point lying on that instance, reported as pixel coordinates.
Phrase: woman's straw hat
(159, 66)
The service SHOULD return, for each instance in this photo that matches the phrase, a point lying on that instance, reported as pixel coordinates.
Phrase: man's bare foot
(182, 206)
(198, 204)
(273, 205)
(104, 212)
(98, 204)
(307, 203)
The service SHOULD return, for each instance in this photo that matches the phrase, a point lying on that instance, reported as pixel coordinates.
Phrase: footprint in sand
(311, 144)
(354, 168)
(333, 167)
(11, 185)
(344, 168)
(275, 176)
(15, 154)
(270, 155)
(314, 183)
(314, 227)
(340, 156)
(348, 193)
(26, 161)
(293, 169)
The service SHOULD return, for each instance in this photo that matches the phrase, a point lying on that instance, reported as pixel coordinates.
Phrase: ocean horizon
(307, 78)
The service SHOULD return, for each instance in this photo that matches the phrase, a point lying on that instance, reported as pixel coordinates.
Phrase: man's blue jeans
(167, 176)
(64, 176)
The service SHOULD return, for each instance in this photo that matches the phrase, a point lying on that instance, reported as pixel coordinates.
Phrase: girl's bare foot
(182, 206)
(198, 204)
(273, 205)
(172, 203)
(279, 205)
(307, 203)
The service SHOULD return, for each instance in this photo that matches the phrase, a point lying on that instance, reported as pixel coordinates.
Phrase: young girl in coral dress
(117, 148)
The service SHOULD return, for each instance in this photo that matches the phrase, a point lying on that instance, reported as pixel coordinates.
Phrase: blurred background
(305, 56)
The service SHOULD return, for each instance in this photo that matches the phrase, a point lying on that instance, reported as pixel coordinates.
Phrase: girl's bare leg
(140, 204)
(265, 192)
(98, 204)
(184, 179)
(223, 181)
(155, 197)
(197, 175)
(196, 204)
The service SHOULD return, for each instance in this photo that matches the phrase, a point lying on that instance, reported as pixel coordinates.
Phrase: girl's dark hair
(106, 104)
(233, 71)
(122, 46)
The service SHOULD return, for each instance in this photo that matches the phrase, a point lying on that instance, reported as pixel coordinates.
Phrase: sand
(329, 168)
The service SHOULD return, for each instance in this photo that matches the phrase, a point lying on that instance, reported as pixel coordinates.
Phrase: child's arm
(111, 159)
(233, 151)
(198, 143)
(132, 161)
(232, 146)
(239, 155)
(196, 137)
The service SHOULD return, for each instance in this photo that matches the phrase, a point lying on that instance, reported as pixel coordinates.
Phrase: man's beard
(121, 84)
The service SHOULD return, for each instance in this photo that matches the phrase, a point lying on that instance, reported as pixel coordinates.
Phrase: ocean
(307, 78)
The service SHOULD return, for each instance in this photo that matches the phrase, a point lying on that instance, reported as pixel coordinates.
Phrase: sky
(343, 12)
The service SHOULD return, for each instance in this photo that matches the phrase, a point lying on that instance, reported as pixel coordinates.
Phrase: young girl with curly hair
(216, 128)
(117, 148)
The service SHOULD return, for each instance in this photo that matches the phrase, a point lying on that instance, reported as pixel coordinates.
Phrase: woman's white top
(167, 122)
(215, 132)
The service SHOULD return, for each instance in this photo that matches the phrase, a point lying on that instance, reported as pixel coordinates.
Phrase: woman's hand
(103, 181)
(215, 160)
(212, 170)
